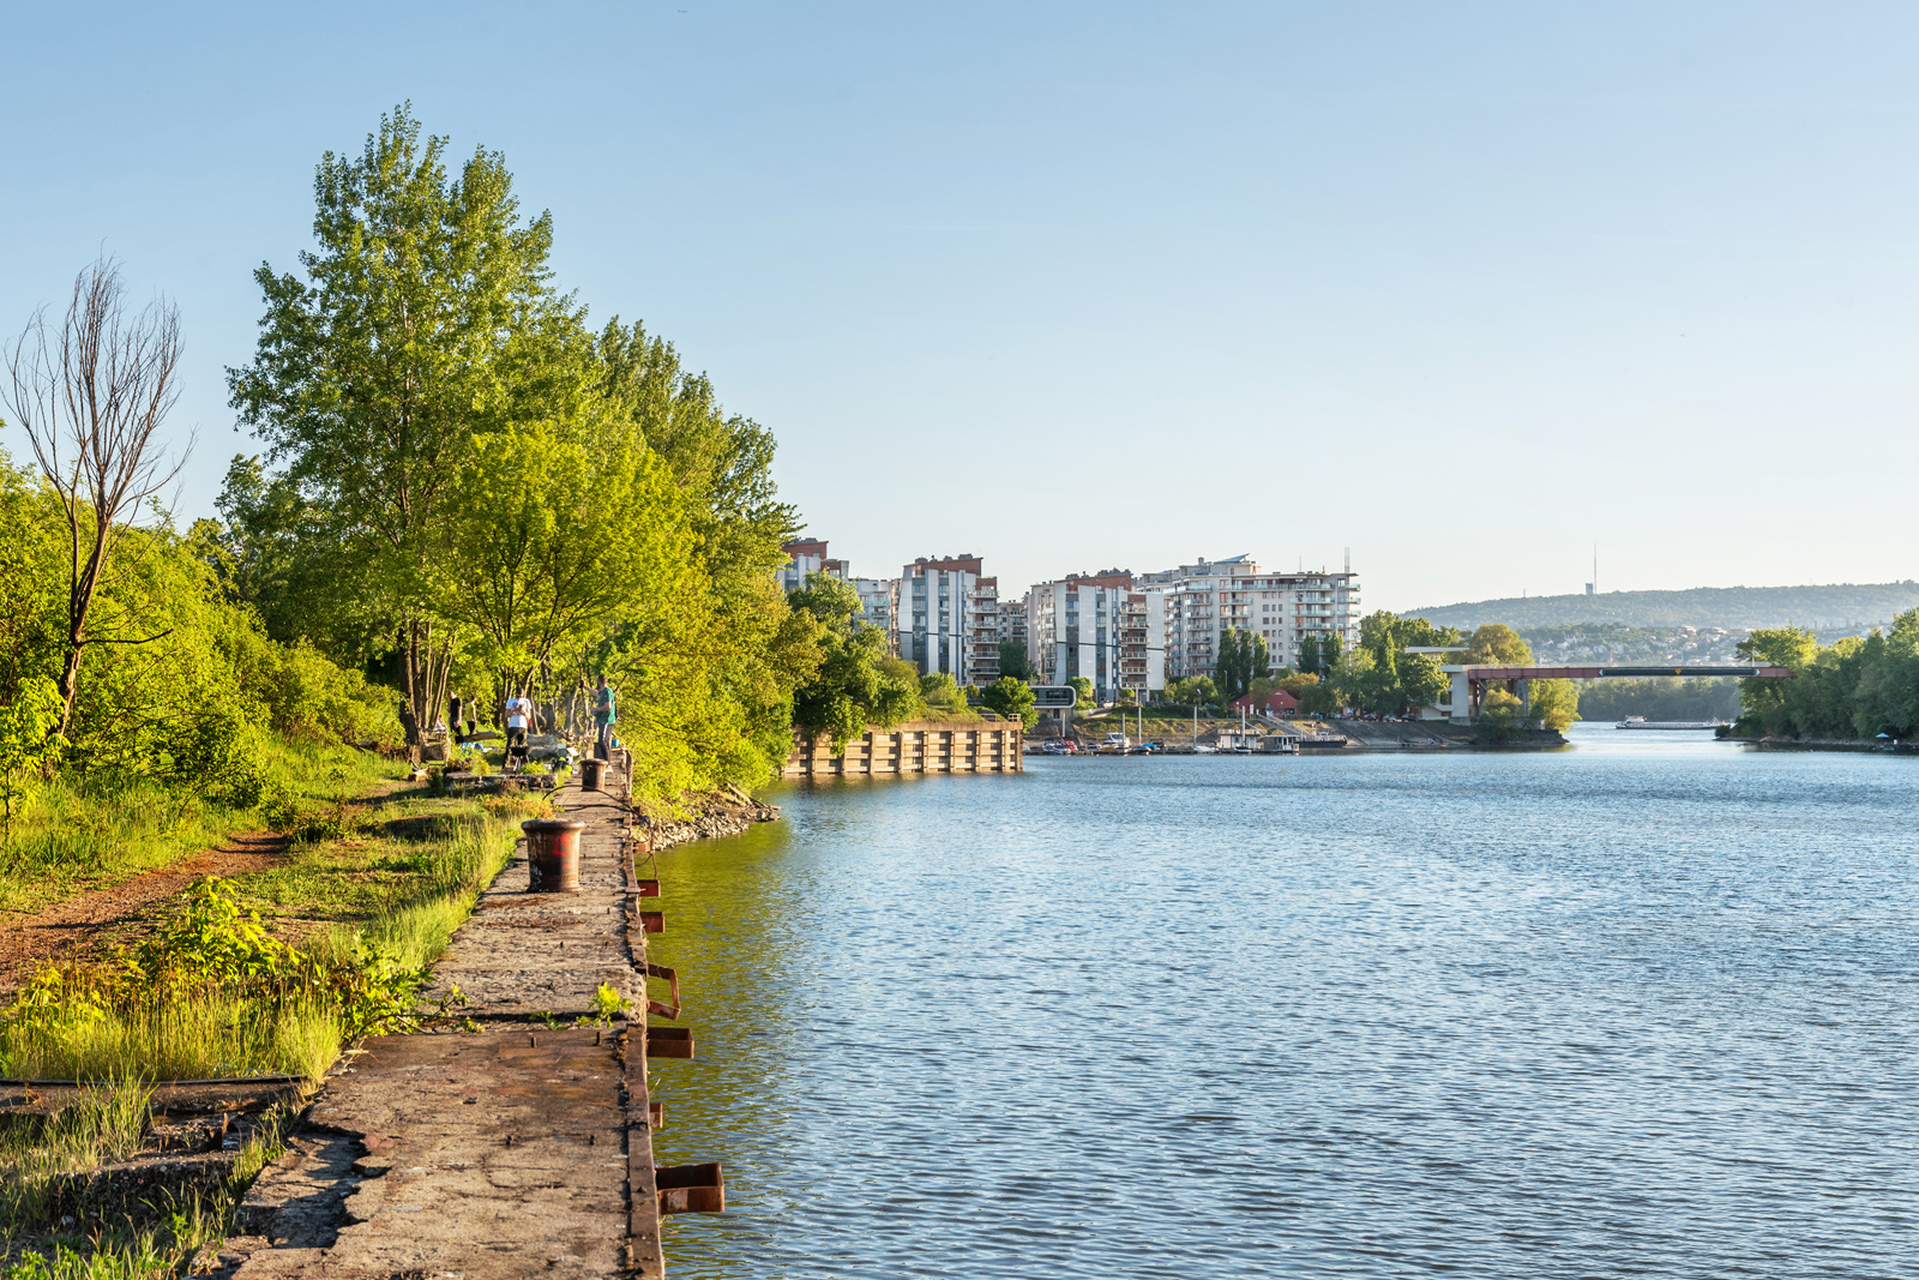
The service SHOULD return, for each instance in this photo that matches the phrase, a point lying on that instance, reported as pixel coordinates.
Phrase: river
(1640, 1007)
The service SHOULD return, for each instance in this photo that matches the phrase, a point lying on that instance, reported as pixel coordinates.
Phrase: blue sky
(1463, 287)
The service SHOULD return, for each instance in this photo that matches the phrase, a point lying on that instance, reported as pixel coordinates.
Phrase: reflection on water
(1641, 1007)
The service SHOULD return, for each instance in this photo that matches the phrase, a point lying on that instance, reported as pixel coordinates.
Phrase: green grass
(78, 833)
(367, 906)
(207, 1034)
(410, 848)
(101, 1126)
(213, 993)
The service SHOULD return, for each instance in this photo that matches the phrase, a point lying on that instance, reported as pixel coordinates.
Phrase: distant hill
(1839, 606)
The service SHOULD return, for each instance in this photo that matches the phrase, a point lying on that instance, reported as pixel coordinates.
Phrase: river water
(1641, 1007)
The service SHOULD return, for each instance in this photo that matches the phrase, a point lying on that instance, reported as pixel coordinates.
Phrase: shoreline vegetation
(1862, 689)
(463, 490)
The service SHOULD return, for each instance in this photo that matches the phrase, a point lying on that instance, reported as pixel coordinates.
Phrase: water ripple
(1634, 1009)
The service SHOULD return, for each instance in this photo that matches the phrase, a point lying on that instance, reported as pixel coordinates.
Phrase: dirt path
(87, 925)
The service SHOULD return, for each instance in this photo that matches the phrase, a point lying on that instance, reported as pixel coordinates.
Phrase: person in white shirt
(519, 715)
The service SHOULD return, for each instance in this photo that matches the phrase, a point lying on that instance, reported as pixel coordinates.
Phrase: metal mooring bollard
(592, 774)
(552, 855)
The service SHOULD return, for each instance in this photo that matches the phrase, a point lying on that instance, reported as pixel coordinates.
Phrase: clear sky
(1463, 287)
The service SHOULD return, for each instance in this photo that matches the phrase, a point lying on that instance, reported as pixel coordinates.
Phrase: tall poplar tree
(420, 322)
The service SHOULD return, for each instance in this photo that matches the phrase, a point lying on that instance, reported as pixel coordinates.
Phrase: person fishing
(604, 714)
(519, 717)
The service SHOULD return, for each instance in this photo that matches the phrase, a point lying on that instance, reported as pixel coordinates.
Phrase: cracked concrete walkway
(516, 1151)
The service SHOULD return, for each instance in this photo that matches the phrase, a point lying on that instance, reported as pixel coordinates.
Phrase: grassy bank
(271, 974)
(82, 831)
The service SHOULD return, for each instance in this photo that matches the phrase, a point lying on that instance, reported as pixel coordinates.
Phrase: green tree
(1013, 661)
(1351, 680)
(1226, 665)
(723, 466)
(275, 551)
(1317, 697)
(546, 540)
(1421, 682)
(854, 684)
(940, 692)
(425, 318)
(1495, 644)
(1764, 702)
(1885, 697)
(1399, 681)
(1243, 657)
(1011, 698)
(1499, 721)
(1309, 656)
(30, 740)
(1555, 703)
(1193, 691)
(1083, 685)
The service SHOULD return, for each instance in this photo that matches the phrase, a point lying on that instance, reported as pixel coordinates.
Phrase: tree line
(463, 488)
(1861, 687)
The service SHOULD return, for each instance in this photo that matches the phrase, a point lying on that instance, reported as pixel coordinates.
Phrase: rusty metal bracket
(669, 1042)
(690, 1188)
(672, 978)
(653, 922)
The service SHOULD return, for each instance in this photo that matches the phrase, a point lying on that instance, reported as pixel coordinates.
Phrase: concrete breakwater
(917, 746)
(521, 1148)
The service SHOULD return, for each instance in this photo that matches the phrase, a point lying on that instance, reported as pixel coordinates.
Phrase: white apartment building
(1206, 599)
(1100, 627)
(945, 617)
(805, 558)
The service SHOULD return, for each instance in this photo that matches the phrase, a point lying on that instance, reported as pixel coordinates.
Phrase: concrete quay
(522, 1149)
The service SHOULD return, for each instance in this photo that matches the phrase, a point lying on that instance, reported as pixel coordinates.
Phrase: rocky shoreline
(1823, 744)
(726, 812)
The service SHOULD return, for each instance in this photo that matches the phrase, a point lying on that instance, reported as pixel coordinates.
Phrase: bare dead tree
(91, 396)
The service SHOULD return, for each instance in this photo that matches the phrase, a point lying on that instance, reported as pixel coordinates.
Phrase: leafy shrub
(216, 753)
(210, 993)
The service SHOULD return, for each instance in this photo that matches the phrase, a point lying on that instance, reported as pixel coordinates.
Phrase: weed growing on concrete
(606, 1004)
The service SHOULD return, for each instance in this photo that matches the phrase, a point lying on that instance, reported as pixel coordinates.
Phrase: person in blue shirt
(603, 716)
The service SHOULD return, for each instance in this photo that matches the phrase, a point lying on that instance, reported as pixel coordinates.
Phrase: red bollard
(552, 855)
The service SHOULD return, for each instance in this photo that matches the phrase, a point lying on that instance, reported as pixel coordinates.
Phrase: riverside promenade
(524, 1148)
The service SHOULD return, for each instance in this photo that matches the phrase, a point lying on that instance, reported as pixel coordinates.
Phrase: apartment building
(946, 617)
(1012, 621)
(1100, 627)
(876, 603)
(1206, 599)
(805, 558)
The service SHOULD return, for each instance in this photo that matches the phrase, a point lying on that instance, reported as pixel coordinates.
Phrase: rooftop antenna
(1349, 559)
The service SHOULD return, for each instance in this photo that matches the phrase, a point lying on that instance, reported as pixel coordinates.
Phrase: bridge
(1461, 702)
